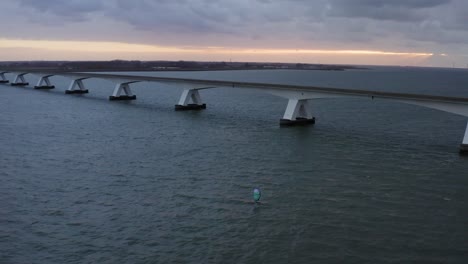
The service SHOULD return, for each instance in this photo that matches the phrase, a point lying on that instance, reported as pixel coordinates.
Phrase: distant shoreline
(164, 66)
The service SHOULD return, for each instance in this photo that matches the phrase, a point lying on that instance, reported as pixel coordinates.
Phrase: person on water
(257, 195)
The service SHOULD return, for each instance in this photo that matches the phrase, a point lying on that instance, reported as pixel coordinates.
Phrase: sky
(369, 32)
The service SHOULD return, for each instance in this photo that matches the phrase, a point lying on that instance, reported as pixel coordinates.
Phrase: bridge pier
(44, 83)
(20, 80)
(77, 83)
(122, 88)
(3, 79)
(464, 145)
(297, 113)
(190, 95)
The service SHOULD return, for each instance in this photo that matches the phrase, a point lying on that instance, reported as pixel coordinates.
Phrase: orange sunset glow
(87, 50)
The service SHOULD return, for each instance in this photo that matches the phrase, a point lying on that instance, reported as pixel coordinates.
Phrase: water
(85, 180)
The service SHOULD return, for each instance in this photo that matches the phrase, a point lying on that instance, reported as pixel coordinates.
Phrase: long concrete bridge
(297, 110)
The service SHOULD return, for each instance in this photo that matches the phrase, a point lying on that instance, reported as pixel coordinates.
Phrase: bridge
(297, 110)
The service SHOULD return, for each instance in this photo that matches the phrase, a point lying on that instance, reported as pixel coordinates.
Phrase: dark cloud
(199, 16)
(180, 16)
(395, 10)
(393, 3)
(209, 16)
(75, 10)
(458, 15)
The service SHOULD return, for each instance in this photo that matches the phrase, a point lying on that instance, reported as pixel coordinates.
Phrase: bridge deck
(269, 86)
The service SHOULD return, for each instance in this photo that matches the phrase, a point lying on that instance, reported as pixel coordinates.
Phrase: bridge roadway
(297, 111)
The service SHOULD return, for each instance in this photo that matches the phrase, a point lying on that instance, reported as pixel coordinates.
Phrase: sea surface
(86, 180)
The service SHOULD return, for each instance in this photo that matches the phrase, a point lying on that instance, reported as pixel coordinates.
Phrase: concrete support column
(44, 83)
(190, 100)
(122, 88)
(297, 113)
(77, 87)
(3, 79)
(464, 145)
(20, 80)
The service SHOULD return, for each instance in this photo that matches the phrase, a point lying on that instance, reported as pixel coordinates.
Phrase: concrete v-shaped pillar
(190, 100)
(124, 88)
(297, 113)
(464, 145)
(44, 83)
(20, 80)
(3, 79)
(77, 86)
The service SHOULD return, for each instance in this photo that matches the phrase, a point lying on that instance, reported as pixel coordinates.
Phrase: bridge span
(297, 110)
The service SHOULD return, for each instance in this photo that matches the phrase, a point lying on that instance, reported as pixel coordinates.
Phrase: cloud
(177, 16)
(199, 16)
(72, 10)
(396, 10)
(416, 25)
